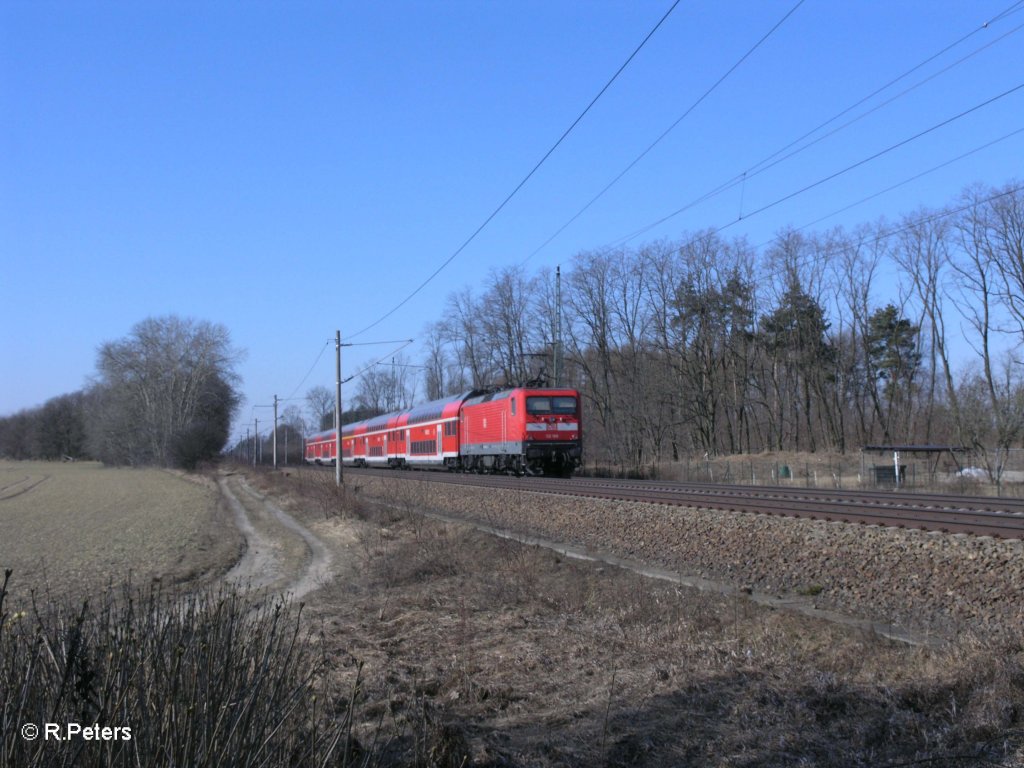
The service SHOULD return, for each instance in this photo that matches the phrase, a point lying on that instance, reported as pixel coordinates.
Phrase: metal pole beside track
(558, 326)
(337, 409)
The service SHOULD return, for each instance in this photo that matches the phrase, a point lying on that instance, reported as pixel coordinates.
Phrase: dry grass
(471, 650)
(73, 528)
(214, 678)
(481, 651)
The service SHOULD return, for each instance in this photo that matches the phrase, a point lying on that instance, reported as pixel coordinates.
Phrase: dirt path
(281, 555)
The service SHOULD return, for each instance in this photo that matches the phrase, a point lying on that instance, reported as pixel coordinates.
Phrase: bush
(214, 678)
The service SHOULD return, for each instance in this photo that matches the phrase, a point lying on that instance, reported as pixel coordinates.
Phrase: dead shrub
(210, 678)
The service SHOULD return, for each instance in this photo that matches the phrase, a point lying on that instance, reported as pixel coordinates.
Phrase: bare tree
(591, 342)
(712, 321)
(506, 321)
(922, 253)
(436, 365)
(984, 268)
(52, 431)
(292, 433)
(320, 401)
(463, 330)
(1004, 244)
(385, 387)
(857, 260)
(665, 275)
(165, 394)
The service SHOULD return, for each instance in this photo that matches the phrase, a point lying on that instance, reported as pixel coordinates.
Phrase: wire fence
(987, 473)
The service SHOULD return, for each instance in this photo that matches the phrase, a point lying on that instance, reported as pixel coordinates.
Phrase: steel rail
(979, 516)
(882, 498)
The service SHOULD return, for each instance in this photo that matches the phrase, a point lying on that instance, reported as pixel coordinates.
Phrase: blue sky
(289, 168)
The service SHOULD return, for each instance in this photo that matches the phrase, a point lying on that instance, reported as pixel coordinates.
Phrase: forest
(892, 332)
(163, 395)
(902, 332)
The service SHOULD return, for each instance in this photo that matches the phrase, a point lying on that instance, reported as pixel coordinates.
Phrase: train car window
(563, 404)
(542, 406)
(513, 406)
(538, 405)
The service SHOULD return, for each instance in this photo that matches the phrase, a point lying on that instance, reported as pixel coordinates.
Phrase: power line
(667, 131)
(366, 368)
(831, 176)
(915, 177)
(906, 227)
(765, 165)
(767, 162)
(526, 178)
(403, 342)
(944, 213)
(313, 366)
(999, 17)
(889, 149)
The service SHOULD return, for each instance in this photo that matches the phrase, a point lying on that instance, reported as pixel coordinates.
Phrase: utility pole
(246, 442)
(558, 326)
(256, 443)
(337, 409)
(275, 431)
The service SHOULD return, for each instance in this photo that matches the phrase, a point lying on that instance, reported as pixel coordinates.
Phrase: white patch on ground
(272, 538)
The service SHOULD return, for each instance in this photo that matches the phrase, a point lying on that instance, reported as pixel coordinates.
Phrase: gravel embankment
(925, 582)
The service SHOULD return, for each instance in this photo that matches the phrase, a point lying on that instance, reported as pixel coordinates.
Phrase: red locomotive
(523, 430)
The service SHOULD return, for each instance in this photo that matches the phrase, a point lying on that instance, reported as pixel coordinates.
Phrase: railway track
(978, 516)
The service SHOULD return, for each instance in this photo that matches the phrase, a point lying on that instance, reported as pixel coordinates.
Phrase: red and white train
(522, 430)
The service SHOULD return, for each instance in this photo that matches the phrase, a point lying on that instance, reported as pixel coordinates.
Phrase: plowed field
(72, 528)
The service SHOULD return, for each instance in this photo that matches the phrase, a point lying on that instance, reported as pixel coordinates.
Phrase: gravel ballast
(927, 583)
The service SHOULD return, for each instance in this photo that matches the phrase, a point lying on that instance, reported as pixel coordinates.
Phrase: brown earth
(476, 650)
(458, 648)
(911, 582)
(74, 528)
(281, 555)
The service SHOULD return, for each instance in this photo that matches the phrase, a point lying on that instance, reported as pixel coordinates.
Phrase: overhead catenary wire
(525, 179)
(311, 368)
(1013, 8)
(905, 226)
(667, 131)
(773, 159)
(1005, 13)
(324, 349)
(907, 180)
(370, 366)
(944, 213)
(831, 176)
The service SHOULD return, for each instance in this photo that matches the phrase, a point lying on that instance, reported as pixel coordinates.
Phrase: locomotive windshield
(542, 406)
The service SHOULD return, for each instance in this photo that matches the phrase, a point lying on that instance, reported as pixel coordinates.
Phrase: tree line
(892, 332)
(164, 395)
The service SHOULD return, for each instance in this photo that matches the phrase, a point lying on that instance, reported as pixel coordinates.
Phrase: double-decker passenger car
(522, 430)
